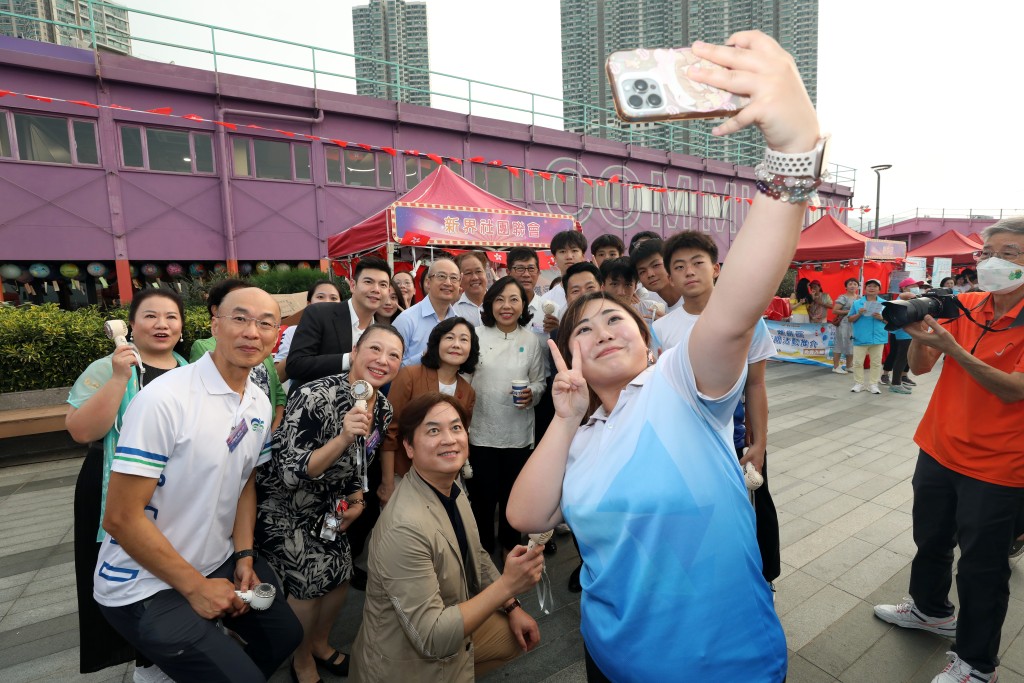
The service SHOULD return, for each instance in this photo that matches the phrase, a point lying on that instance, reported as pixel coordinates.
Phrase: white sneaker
(874, 389)
(150, 674)
(857, 388)
(959, 671)
(907, 615)
(839, 371)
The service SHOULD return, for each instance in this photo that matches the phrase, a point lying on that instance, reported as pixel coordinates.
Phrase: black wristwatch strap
(241, 554)
(515, 603)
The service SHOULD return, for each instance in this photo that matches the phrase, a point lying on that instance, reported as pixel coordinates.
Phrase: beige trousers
(493, 645)
(872, 351)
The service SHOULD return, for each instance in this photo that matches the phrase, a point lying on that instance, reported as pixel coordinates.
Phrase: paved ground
(840, 473)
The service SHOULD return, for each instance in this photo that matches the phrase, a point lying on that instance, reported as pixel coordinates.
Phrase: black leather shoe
(295, 676)
(330, 663)
(574, 580)
(358, 579)
(550, 548)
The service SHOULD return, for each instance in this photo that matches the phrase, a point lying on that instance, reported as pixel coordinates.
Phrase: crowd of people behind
(434, 437)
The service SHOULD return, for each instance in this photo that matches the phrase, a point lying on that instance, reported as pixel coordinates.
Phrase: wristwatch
(242, 554)
(515, 603)
(812, 164)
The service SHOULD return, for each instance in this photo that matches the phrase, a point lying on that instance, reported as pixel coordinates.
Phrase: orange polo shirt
(966, 428)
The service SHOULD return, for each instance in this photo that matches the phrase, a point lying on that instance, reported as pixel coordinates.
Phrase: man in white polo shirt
(182, 506)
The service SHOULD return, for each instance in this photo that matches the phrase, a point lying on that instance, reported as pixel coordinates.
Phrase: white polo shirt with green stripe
(177, 432)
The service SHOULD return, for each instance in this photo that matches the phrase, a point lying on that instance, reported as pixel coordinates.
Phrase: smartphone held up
(652, 85)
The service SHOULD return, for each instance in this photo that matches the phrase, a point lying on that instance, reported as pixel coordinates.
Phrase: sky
(923, 85)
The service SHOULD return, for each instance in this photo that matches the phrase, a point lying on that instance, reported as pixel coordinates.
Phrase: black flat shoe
(295, 676)
(574, 580)
(336, 668)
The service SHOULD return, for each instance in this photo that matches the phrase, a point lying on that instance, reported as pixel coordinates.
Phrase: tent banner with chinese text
(438, 225)
(802, 342)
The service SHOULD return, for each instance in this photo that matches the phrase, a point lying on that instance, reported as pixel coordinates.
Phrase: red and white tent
(950, 244)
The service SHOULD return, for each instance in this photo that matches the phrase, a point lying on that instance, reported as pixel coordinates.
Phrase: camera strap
(1017, 322)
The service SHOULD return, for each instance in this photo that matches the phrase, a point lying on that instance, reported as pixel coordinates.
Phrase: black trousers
(896, 361)
(949, 509)
(767, 526)
(494, 472)
(189, 648)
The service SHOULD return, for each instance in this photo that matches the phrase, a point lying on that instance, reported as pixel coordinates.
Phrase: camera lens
(654, 100)
(635, 101)
(640, 86)
(899, 314)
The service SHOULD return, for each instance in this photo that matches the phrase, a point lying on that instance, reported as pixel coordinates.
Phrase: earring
(182, 339)
(650, 358)
(129, 337)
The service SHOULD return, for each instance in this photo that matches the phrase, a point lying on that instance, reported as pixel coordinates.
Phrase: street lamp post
(878, 192)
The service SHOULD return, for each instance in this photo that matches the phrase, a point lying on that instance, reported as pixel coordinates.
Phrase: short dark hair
(851, 279)
(640, 237)
(567, 239)
(557, 281)
(523, 254)
(216, 295)
(605, 241)
(382, 327)
(432, 354)
(688, 239)
(312, 290)
(487, 310)
(151, 292)
(415, 412)
(620, 267)
(644, 251)
(582, 267)
(478, 255)
(372, 263)
(947, 279)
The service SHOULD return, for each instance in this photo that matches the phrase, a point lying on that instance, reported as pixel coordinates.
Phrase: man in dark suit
(328, 331)
(321, 347)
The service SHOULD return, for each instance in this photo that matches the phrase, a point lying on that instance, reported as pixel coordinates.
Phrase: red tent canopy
(442, 187)
(829, 240)
(950, 244)
(976, 236)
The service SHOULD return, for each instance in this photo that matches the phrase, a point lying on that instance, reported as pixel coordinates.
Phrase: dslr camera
(938, 303)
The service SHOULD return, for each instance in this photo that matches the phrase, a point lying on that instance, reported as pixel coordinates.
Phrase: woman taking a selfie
(312, 491)
(649, 483)
(98, 401)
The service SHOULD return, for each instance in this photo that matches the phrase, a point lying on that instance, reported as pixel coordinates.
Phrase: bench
(31, 421)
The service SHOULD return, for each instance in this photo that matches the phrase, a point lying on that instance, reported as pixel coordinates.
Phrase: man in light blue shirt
(416, 322)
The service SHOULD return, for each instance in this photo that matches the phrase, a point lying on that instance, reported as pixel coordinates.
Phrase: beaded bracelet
(786, 188)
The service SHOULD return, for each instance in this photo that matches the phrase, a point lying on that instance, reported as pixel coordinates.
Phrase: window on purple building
(50, 139)
(554, 191)
(359, 168)
(270, 159)
(499, 181)
(166, 149)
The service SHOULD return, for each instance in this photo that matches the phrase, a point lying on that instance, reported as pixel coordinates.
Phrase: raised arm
(763, 249)
(89, 419)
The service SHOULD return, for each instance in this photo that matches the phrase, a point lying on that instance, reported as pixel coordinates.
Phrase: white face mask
(999, 276)
(915, 290)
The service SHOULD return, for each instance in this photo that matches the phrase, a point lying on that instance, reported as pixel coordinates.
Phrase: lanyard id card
(235, 437)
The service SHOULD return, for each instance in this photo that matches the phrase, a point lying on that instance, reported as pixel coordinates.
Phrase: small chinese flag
(163, 111)
(544, 174)
(476, 160)
(513, 171)
(614, 179)
(456, 160)
(588, 181)
(390, 150)
(339, 143)
(436, 159)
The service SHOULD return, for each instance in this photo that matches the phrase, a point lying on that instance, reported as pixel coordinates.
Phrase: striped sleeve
(148, 433)
(265, 453)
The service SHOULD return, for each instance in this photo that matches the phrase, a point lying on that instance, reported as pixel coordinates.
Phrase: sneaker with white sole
(907, 382)
(857, 388)
(839, 371)
(907, 615)
(884, 378)
(900, 389)
(150, 674)
(959, 671)
(1017, 549)
(874, 389)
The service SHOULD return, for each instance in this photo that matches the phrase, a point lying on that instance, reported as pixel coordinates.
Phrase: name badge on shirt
(373, 440)
(235, 437)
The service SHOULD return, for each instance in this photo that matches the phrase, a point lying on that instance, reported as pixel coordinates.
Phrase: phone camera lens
(640, 86)
(654, 100)
(635, 101)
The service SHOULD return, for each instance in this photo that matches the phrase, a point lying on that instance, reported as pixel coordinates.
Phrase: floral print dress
(291, 502)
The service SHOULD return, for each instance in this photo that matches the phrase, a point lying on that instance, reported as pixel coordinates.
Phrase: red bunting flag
(193, 117)
(660, 189)
(496, 162)
(80, 103)
(865, 209)
(436, 159)
(812, 207)
(455, 160)
(390, 150)
(365, 146)
(5, 93)
(287, 133)
(600, 183)
(513, 171)
(229, 126)
(415, 239)
(614, 179)
(339, 143)
(637, 187)
(529, 171)
(315, 138)
(163, 111)
(255, 127)
(412, 152)
(561, 177)
(544, 175)
(39, 98)
(476, 160)
(750, 201)
(588, 181)
(121, 107)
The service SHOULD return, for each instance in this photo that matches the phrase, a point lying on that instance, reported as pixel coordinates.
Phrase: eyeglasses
(520, 270)
(1009, 253)
(241, 322)
(454, 279)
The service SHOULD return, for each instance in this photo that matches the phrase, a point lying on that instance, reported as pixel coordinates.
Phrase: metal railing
(867, 223)
(227, 50)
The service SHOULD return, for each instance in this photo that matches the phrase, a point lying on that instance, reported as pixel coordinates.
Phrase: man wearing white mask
(969, 481)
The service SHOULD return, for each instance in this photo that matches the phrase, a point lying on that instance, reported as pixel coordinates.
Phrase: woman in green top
(98, 401)
(265, 375)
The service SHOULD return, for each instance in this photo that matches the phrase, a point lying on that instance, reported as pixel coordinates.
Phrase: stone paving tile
(864, 578)
(845, 640)
(793, 589)
(837, 506)
(808, 619)
(831, 565)
(897, 656)
(802, 671)
(885, 529)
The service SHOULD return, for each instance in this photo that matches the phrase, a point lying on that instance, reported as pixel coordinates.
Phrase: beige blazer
(412, 626)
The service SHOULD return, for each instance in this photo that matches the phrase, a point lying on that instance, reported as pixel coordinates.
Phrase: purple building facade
(122, 186)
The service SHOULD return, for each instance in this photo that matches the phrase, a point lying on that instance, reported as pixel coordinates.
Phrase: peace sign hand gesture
(569, 391)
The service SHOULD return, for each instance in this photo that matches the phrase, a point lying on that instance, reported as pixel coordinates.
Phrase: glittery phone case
(651, 85)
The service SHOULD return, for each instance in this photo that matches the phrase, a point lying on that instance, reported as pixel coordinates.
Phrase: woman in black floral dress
(317, 473)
